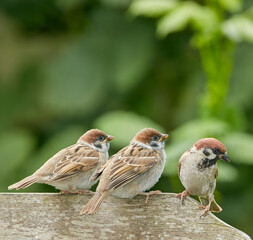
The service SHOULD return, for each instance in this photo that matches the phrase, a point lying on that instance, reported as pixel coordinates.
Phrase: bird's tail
(93, 205)
(26, 182)
(214, 207)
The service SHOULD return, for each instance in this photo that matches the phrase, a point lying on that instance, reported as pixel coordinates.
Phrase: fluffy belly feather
(201, 183)
(142, 183)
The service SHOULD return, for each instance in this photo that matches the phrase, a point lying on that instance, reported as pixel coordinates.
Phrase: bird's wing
(179, 168)
(77, 158)
(100, 170)
(216, 173)
(182, 158)
(128, 165)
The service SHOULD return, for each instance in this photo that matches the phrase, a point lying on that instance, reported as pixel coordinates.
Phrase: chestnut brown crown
(147, 134)
(210, 143)
(93, 135)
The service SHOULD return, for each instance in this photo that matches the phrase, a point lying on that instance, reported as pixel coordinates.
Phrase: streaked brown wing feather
(216, 173)
(77, 159)
(129, 165)
(100, 170)
(179, 168)
(182, 158)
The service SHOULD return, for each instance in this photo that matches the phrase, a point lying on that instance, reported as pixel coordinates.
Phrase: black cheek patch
(206, 163)
(154, 144)
(98, 145)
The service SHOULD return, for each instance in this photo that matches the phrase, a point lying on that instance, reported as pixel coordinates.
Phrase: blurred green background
(182, 67)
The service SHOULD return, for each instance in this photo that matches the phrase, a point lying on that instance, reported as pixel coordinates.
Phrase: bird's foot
(85, 192)
(148, 194)
(66, 192)
(183, 195)
(206, 210)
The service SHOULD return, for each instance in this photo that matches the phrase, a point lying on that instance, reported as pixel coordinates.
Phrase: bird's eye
(100, 138)
(216, 151)
(206, 152)
(155, 138)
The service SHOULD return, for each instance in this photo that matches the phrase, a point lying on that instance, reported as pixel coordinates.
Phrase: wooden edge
(222, 222)
(187, 214)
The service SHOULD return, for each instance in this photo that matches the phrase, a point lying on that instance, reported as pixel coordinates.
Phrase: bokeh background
(182, 67)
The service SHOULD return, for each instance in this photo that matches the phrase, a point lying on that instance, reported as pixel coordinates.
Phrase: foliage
(213, 35)
(68, 66)
(124, 125)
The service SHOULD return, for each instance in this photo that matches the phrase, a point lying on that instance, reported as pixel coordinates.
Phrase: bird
(197, 170)
(133, 170)
(70, 169)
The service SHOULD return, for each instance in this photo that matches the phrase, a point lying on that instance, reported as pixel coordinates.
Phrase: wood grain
(56, 216)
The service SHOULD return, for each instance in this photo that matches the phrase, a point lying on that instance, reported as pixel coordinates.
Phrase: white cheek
(211, 156)
(197, 154)
(107, 145)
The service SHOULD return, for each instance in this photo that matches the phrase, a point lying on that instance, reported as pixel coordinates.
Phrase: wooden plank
(56, 216)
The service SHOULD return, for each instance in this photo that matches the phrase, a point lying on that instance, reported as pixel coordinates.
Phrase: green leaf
(15, 147)
(227, 172)
(239, 147)
(124, 125)
(239, 28)
(175, 21)
(205, 20)
(200, 128)
(111, 56)
(152, 8)
(231, 5)
(73, 80)
(201, 18)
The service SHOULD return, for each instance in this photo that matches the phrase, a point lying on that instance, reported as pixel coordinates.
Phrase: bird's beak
(109, 138)
(163, 137)
(224, 157)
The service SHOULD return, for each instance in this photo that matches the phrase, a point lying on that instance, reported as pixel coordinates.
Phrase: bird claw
(183, 195)
(85, 192)
(206, 210)
(202, 207)
(148, 194)
(65, 192)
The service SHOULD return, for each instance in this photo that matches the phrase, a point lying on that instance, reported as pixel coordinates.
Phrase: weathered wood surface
(56, 216)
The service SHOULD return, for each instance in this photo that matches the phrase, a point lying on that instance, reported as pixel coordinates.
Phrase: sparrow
(197, 170)
(71, 168)
(133, 170)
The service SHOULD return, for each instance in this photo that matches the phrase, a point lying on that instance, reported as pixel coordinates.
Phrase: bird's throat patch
(206, 163)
